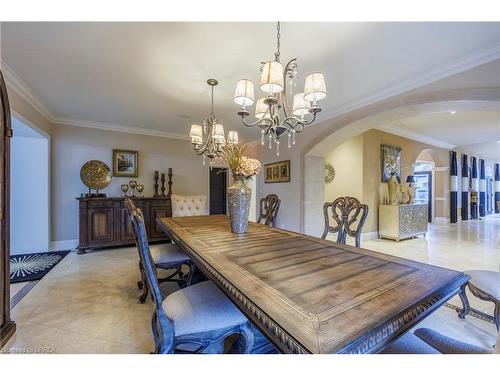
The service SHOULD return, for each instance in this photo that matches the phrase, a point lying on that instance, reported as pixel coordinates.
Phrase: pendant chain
(278, 35)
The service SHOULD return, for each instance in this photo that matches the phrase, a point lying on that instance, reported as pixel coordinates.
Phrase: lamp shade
(218, 134)
(411, 179)
(196, 134)
(244, 93)
(262, 109)
(300, 106)
(232, 137)
(271, 79)
(315, 87)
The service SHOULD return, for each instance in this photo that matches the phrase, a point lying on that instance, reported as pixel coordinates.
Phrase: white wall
(29, 224)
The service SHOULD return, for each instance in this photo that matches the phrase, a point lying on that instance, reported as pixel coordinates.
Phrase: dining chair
(189, 205)
(349, 216)
(428, 341)
(196, 319)
(167, 256)
(269, 207)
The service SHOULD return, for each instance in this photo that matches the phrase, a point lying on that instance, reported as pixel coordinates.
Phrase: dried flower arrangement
(238, 163)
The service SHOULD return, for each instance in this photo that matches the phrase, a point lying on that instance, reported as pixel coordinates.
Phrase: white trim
(441, 220)
(369, 236)
(453, 183)
(441, 169)
(439, 198)
(415, 136)
(118, 128)
(63, 245)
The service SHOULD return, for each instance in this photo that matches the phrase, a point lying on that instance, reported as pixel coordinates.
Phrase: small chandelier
(213, 132)
(273, 113)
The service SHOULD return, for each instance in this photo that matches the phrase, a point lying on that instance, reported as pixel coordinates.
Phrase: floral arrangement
(238, 163)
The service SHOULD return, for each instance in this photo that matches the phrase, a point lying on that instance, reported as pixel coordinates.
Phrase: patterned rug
(29, 267)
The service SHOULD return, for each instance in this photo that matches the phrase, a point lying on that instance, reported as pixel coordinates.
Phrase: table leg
(465, 303)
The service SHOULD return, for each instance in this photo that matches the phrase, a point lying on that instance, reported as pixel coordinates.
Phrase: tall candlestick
(169, 182)
(162, 185)
(155, 195)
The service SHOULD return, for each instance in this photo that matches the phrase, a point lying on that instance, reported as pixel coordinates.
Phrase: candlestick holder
(162, 180)
(155, 195)
(169, 182)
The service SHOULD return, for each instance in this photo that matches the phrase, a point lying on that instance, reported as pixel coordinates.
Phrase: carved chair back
(269, 207)
(348, 217)
(163, 329)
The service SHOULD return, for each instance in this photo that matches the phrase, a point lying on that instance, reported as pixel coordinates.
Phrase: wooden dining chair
(348, 215)
(167, 256)
(269, 207)
(196, 319)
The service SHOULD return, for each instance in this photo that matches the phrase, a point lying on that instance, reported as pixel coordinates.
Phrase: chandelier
(209, 139)
(273, 113)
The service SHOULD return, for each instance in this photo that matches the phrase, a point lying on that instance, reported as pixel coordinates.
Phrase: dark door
(218, 178)
(423, 191)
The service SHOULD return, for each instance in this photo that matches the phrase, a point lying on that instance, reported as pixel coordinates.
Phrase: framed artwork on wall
(125, 163)
(277, 172)
(391, 161)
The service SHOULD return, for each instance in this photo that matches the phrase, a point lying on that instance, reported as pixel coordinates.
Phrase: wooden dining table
(309, 295)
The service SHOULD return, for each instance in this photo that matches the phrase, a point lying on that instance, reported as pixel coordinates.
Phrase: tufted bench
(189, 205)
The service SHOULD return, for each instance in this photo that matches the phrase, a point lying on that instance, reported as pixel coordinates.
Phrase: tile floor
(88, 303)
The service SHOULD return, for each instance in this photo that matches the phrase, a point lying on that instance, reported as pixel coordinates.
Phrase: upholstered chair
(269, 207)
(195, 319)
(428, 341)
(348, 215)
(189, 205)
(167, 256)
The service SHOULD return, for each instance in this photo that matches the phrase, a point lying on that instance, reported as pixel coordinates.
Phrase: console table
(104, 222)
(402, 221)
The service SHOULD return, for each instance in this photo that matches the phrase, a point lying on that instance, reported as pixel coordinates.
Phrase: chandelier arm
(259, 122)
(292, 64)
(298, 122)
(210, 126)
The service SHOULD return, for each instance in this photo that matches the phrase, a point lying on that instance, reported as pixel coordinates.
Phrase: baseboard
(369, 236)
(441, 220)
(63, 245)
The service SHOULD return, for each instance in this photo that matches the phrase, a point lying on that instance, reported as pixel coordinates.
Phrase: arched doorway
(425, 189)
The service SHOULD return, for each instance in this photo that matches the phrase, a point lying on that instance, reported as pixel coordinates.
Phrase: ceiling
(152, 76)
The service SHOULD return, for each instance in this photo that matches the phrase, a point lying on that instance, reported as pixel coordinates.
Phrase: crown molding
(118, 128)
(471, 61)
(416, 136)
(15, 83)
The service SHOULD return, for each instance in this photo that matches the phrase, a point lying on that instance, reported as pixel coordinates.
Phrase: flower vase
(239, 195)
(393, 186)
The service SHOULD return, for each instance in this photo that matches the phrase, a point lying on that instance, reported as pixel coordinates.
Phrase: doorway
(489, 195)
(29, 190)
(423, 186)
(218, 186)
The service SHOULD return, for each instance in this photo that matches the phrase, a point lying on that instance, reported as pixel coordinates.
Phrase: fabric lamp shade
(244, 93)
(196, 134)
(411, 179)
(232, 137)
(300, 106)
(262, 109)
(271, 79)
(315, 87)
(218, 134)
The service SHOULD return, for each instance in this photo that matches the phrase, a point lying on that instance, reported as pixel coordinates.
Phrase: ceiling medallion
(273, 113)
(212, 131)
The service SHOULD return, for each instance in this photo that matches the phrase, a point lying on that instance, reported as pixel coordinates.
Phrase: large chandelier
(208, 140)
(273, 113)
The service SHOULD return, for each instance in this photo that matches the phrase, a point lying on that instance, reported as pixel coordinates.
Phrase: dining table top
(310, 295)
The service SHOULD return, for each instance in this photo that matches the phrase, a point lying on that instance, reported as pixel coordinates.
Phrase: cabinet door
(157, 211)
(127, 232)
(100, 225)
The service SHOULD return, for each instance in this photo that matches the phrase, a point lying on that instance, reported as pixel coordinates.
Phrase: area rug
(29, 267)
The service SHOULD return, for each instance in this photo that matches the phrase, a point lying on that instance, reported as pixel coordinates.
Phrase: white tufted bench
(189, 205)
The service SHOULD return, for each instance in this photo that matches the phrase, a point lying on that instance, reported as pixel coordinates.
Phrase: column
(465, 188)
(482, 188)
(497, 188)
(453, 186)
(475, 188)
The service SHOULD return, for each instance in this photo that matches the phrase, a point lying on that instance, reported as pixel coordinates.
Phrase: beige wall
(347, 159)
(73, 146)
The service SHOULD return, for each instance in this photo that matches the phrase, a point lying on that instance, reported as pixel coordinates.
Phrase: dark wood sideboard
(104, 222)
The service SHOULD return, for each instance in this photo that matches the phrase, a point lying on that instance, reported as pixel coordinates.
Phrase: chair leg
(145, 293)
(465, 302)
(496, 315)
(140, 283)
(246, 333)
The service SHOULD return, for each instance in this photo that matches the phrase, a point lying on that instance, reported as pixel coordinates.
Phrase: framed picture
(277, 172)
(391, 161)
(125, 163)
